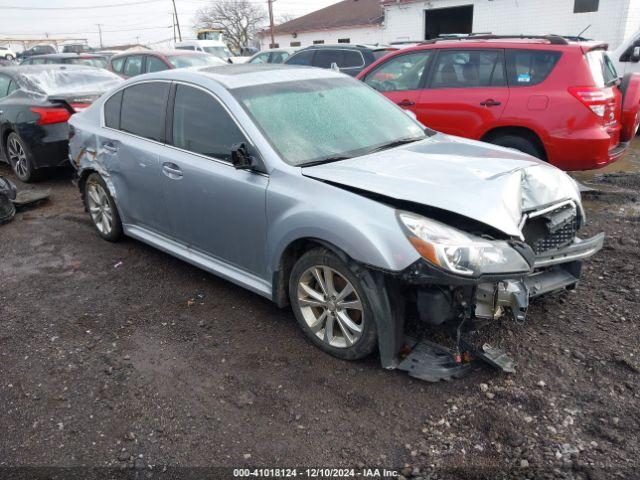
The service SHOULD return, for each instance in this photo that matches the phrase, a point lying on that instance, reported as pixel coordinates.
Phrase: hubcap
(330, 306)
(18, 157)
(99, 208)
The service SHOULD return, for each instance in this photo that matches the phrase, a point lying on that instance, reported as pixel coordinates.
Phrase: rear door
(213, 208)
(466, 91)
(129, 148)
(401, 79)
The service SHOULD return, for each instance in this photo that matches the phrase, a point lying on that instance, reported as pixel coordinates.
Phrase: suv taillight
(50, 115)
(601, 101)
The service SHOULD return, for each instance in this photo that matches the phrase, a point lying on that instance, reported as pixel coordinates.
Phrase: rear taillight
(49, 115)
(599, 100)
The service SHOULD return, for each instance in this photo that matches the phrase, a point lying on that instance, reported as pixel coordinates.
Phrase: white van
(213, 47)
(627, 56)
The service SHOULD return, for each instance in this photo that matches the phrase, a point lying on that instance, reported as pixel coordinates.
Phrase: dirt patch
(105, 362)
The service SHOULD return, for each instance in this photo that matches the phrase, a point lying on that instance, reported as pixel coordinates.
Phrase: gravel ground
(117, 355)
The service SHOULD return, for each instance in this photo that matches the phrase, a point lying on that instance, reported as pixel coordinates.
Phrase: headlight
(460, 252)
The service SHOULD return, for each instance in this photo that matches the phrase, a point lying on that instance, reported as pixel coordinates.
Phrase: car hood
(487, 183)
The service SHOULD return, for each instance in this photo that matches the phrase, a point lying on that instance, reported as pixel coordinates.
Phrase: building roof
(348, 13)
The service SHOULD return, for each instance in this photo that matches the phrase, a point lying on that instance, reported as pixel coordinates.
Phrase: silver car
(311, 189)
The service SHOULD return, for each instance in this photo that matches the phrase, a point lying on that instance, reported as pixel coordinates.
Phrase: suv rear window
(602, 69)
(530, 67)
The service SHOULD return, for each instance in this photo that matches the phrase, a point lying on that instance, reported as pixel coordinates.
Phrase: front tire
(20, 158)
(331, 306)
(102, 208)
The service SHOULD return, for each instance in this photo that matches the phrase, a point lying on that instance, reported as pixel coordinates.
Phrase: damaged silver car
(311, 189)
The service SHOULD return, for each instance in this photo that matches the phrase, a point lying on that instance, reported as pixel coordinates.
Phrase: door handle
(406, 103)
(172, 170)
(110, 147)
(490, 103)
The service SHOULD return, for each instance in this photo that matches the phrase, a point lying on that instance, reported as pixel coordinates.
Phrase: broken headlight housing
(460, 252)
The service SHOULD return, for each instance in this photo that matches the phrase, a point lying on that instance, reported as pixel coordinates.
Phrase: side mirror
(335, 67)
(635, 55)
(241, 159)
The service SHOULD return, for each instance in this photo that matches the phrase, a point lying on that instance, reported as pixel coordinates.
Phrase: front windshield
(312, 121)
(222, 52)
(184, 61)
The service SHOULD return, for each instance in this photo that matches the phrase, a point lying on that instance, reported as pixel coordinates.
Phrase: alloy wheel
(100, 208)
(330, 306)
(18, 158)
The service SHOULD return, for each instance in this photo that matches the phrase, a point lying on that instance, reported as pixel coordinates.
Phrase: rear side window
(117, 63)
(202, 125)
(112, 111)
(133, 66)
(530, 67)
(143, 110)
(602, 69)
(302, 58)
(403, 72)
(351, 59)
(468, 69)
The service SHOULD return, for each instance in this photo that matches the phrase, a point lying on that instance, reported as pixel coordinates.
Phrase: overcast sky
(146, 21)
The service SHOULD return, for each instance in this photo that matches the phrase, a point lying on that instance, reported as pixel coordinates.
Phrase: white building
(386, 21)
(608, 20)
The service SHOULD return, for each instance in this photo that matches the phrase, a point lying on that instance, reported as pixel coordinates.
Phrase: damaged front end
(442, 289)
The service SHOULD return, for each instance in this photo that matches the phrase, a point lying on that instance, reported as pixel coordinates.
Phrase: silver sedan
(311, 189)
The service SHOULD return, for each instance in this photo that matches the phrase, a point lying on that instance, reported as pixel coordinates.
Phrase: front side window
(154, 64)
(530, 67)
(143, 110)
(404, 72)
(468, 69)
(112, 111)
(351, 59)
(279, 57)
(323, 119)
(301, 58)
(133, 66)
(202, 125)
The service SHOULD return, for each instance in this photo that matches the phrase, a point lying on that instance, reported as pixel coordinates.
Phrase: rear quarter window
(143, 110)
(112, 111)
(117, 64)
(530, 67)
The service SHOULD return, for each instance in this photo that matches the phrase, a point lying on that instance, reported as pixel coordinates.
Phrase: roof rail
(552, 39)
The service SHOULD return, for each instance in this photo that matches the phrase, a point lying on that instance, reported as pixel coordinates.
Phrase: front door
(466, 92)
(213, 208)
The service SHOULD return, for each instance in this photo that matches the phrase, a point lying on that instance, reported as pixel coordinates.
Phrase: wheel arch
(520, 131)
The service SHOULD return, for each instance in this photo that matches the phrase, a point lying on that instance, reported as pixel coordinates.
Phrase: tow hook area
(433, 362)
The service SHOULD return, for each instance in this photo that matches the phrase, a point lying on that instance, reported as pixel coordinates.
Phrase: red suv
(559, 100)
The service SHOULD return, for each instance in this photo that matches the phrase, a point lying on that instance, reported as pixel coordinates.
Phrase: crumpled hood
(487, 183)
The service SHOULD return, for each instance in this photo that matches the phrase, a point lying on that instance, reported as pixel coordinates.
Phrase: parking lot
(119, 355)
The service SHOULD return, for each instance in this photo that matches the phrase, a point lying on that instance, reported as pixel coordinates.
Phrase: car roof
(42, 68)
(247, 75)
(67, 55)
(161, 53)
(508, 41)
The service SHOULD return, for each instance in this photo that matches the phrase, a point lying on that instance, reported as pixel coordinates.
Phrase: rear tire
(331, 306)
(519, 143)
(20, 158)
(102, 209)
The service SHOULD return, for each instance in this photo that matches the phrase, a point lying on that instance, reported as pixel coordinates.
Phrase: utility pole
(100, 33)
(173, 21)
(273, 40)
(175, 12)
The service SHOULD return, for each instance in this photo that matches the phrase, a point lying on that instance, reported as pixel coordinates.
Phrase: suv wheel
(20, 158)
(331, 306)
(102, 208)
(519, 143)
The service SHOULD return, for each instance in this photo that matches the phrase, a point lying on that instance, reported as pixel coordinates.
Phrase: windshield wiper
(395, 143)
(322, 161)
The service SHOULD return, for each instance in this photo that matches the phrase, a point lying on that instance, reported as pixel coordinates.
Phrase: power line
(83, 7)
(103, 31)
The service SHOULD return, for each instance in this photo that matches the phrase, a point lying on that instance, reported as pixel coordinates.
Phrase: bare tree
(240, 20)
